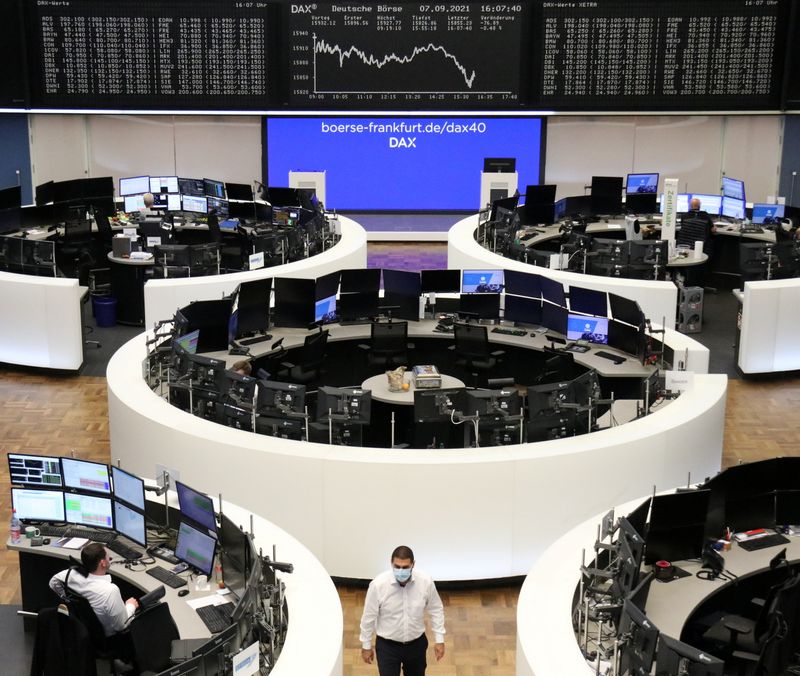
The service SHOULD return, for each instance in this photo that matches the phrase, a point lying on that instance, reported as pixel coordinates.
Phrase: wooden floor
(44, 414)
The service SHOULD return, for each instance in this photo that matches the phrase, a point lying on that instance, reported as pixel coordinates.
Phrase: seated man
(147, 213)
(91, 580)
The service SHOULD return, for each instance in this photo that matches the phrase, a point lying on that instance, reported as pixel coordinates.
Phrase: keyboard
(763, 542)
(128, 553)
(509, 332)
(751, 230)
(255, 339)
(616, 358)
(216, 618)
(50, 531)
(168, 578)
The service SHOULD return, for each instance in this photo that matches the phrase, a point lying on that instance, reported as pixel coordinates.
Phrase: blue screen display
(482, 281)
(401, 164)
(767, 213)
(641, 183)
(593, 329)
(325, 310)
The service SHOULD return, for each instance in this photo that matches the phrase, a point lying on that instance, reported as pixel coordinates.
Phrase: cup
(32, 532)
(201, 583)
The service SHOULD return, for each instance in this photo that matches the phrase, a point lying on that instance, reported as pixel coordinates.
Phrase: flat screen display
(196, 506)
(554, 318)
(88, 510)
(588, 301)
(130, 523)
(195, 548)
(35, 470)
(767, 214)
(189, 341)
(35, 504)
(325, 310)
(522, 284)
(134, 185)
(85, 476)
(733, 208)
(195, 204)
(482, 281)
(711, 204)
(732, 187)
(440, 281)
(128, 487)
(593, 329)
(133, 203)
(163, 184)
(360, 154)
(638, 183)
(522, 310)
(682, 205)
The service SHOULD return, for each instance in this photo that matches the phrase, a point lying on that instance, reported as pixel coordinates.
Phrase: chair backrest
(103, 226)
(214, 233)
(692, 230)
(81, 609)
(62, 645)
(389, 337)
(783, 635)
(152, 631)
(472, 340)
(314, 348)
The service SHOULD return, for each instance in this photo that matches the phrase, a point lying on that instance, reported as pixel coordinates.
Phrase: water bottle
(16, 528)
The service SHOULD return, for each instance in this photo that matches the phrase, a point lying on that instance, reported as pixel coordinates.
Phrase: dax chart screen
(405, 54)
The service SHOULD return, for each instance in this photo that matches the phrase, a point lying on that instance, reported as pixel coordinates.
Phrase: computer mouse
(183, 592)
(46, 541)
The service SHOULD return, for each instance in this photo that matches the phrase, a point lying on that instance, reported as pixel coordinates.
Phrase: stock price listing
(405, 55)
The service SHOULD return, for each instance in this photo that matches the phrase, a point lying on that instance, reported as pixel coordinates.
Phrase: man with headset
(395, 608)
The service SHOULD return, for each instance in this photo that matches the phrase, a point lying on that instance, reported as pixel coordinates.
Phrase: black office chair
(152, 631)
(473, 351)
(104, 228)
(389, 345)
(214, 233)
(62, 645)
(312, 358)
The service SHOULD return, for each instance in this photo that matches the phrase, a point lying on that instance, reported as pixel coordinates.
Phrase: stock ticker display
(592, 55)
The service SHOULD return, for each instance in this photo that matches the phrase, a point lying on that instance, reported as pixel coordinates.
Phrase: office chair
(389, 345)
(473, 350)
(62, 645)
(214, 233)
(309, 366)
(104, 228)
(99, 281)
(152, 631)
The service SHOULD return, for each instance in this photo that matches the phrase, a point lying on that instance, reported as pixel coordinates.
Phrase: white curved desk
(657, 299)
(162, 297)
(511, 501)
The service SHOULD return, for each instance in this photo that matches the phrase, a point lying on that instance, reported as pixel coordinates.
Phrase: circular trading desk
(475, 513)
(379, 386)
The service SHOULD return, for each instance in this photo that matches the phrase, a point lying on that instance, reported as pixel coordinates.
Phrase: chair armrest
(498, 353)
(451, 347)
(362, 346)
(758, 602)
(288, 365)
(737, 624)
(744, 655)
(411, 346)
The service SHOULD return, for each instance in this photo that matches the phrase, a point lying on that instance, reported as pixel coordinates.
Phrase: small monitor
(88, 510)
(325, 310)
(522, 283)
(133, 203)
(167, 184)
(191, 186)
(677, 526)
(540, 194)
(195, 548)
(675, 657)
(482, 281)
(35, 470)
(593, 329)
(787, 507)
(130, 523)
(218, 206)
(641, 203)
(128, 487)
(733, 187)
(214, 188)
(606, 197)
(188, 342)
(196, 506)
(639, 651)
(401, 283)
(626, 338)
(285, 217)
(345, 404)
(553, 291)
(363, 281)
(500, 403)
(294, 302)
(252, 307)
(733, 208)
(35, 504)
(588, 301)
(327, 285)
(711, 204)
(625, 310)
(166, 202)
(278, 400)
(440, 281)
(358, 306)
(85, 476)
(522, 310)
(641, 183)
(554, 317)
(239, 191)
(195, 204)
(682, 203)
(437, 405)
(134, 185)
(480, 305)
(499, 165)
(767, 214)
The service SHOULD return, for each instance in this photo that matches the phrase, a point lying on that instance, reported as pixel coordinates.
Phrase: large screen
(85, 475)
(401, 164)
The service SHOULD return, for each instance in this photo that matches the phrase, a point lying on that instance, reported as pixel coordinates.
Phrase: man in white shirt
(95, 585)
(394, 610)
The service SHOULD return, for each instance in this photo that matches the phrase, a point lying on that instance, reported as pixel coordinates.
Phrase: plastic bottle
(16, 528)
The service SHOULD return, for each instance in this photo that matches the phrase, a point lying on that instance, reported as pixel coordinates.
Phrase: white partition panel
(482, 513)
(749, 141)
(58, 148)
(770, 326)
(41, 323)
(162, 297)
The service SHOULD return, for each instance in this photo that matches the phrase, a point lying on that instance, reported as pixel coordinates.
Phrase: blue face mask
(402, 574)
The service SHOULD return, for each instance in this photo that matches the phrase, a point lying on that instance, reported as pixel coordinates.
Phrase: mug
(201, 583)
(32, 532)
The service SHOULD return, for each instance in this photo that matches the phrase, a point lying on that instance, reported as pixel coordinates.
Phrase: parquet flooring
(49, 414)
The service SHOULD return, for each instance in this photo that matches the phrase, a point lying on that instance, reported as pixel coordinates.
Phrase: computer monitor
(641, 203)
(252, 307)
(767, 214)
(401, 283)
(482, 281)
(346, 404)
(134, 185)
(188, 341)
(294, 302)
(638, 517)
(554, 318)
(88, 510)
(438, 405)
(168, 184)
(128, 487)
(165, 202)
(675, 657)
(544, 400)
(211, 652)
(218, 206)
(191, 186)
(553, 291)
(360, 281)
(677, 526)
(479, 305)
(283, 197)
(503, 210)
(522, 283)
(639, 650)
(497, 403)
(746, 512)
(733, 208)
(627, 570)
(588, 301)
(325, 310)
(358, 306)
(197, 507)
(84, 475)
(35, 470)
(195, 548)
(733, 187)
(625, 310)
(239, 191)
(194, 204)
(540, 194)
(641, 183)
(327, 285)
(711, 204)
(639, 594)
(522, 310)
(440, 281)
(499, 165)
(627, 338)
(277, 400)
(285, 217)
(44, 193)
(606, 197)
(582, 327)
(213, 188)
(787, 507)
(133, 203)
(36, 504)
(130, 523)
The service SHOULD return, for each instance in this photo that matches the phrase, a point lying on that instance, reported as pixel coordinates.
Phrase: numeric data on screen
(405, 54)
